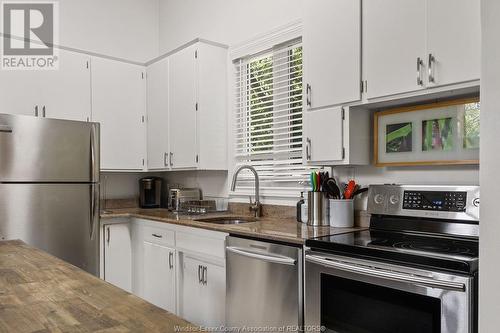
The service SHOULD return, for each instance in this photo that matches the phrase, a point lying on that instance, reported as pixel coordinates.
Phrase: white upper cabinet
(453, 41)
(182, 108)
(393, 46)
(20, 92)
(332, 52)
(197, 108)
(419, 44)
(325, 140)
(212, 110)
(157, 91)
(66, 91)
(119, 105)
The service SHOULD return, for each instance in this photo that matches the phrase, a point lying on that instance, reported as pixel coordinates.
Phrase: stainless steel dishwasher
(264, 284)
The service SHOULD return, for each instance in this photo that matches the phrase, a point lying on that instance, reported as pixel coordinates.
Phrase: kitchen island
(41, 293)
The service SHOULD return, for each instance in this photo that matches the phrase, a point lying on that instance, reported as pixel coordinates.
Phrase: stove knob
(394, 199)
(379, 199)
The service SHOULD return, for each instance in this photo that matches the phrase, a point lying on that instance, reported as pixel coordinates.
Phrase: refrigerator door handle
(94, 154)
(94, 209)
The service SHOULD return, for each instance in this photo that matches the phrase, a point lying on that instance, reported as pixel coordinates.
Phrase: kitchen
(172, 98)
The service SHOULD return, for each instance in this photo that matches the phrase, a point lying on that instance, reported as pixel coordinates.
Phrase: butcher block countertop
(40, 293)
(284, 230)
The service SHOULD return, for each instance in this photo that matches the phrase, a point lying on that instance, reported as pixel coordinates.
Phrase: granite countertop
(41, 293)
(284, 230)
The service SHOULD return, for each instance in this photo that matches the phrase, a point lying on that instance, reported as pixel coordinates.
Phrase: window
(268, 129)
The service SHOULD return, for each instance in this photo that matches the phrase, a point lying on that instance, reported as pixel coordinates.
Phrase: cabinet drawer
(201, 243)
(159, 236)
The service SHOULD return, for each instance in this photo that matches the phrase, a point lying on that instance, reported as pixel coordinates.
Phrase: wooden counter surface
(283, 230)
(40, 293)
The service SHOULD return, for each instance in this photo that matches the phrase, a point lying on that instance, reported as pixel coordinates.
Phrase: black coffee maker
(150, 192)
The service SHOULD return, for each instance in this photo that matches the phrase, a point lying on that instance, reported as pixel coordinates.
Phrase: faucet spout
(255, 207)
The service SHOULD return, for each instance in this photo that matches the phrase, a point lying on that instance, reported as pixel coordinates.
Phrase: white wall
(224, 21)
(119, 28)
(489, 245)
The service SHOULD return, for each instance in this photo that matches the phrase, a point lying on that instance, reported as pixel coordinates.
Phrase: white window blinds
(268, 129)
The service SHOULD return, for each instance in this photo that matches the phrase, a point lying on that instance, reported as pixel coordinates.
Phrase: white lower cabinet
(159, 276)
(177, 268)
(117, 247)
(202, 291)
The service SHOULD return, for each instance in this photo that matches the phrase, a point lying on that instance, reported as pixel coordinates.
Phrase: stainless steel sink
(227, 220)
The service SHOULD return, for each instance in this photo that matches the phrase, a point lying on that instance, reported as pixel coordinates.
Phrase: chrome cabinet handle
(36, 110)
(109, 235)
(308, 149)
(43, 111)
(171, 159)
(386, 274)
(204, 275)
(431, 62)
(165, 159)
(199, 274)
(275, 259)
(157, 236)
(170, 260)
(308, 95)
(420, 63)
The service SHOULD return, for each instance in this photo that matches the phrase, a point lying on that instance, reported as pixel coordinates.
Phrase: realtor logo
(30, 31)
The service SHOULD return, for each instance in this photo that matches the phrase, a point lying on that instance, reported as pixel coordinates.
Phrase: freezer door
(36, 149)
(61, 219)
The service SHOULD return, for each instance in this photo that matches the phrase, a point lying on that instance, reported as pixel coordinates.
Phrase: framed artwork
(431, 134)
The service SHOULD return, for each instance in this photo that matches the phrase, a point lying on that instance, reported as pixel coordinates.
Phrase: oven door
(345, 294)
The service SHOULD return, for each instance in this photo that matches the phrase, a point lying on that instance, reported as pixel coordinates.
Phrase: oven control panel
(435, 200)
(445, 202)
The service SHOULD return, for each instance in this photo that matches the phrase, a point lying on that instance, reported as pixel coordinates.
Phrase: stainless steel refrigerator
(49, 186)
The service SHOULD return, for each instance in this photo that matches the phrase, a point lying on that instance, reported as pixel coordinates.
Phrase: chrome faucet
(255, 207)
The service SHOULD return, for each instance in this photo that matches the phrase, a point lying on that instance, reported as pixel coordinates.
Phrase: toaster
(177, 196)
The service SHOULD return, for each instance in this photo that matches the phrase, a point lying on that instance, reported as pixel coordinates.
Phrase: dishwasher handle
(275, 259)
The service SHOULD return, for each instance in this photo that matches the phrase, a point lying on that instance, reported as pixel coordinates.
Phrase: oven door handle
(275, 259)
(385, 274)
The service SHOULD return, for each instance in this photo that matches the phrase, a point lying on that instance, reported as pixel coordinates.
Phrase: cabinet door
(66, 91)
(159, 276)
(454, 40)
(332, 51)
(213, 295)
(20, 92)
(157, 90)
(393, 40)
(190, 305)
(203, 294)
(324, 140)
(119, 105)
(118, 256)
(182, 108)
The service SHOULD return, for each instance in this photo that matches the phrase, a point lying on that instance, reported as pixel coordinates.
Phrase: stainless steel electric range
(414, 270)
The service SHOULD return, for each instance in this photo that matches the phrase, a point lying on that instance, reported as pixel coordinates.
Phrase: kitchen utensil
(359, 191)
(350, 189)
(330, 186)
